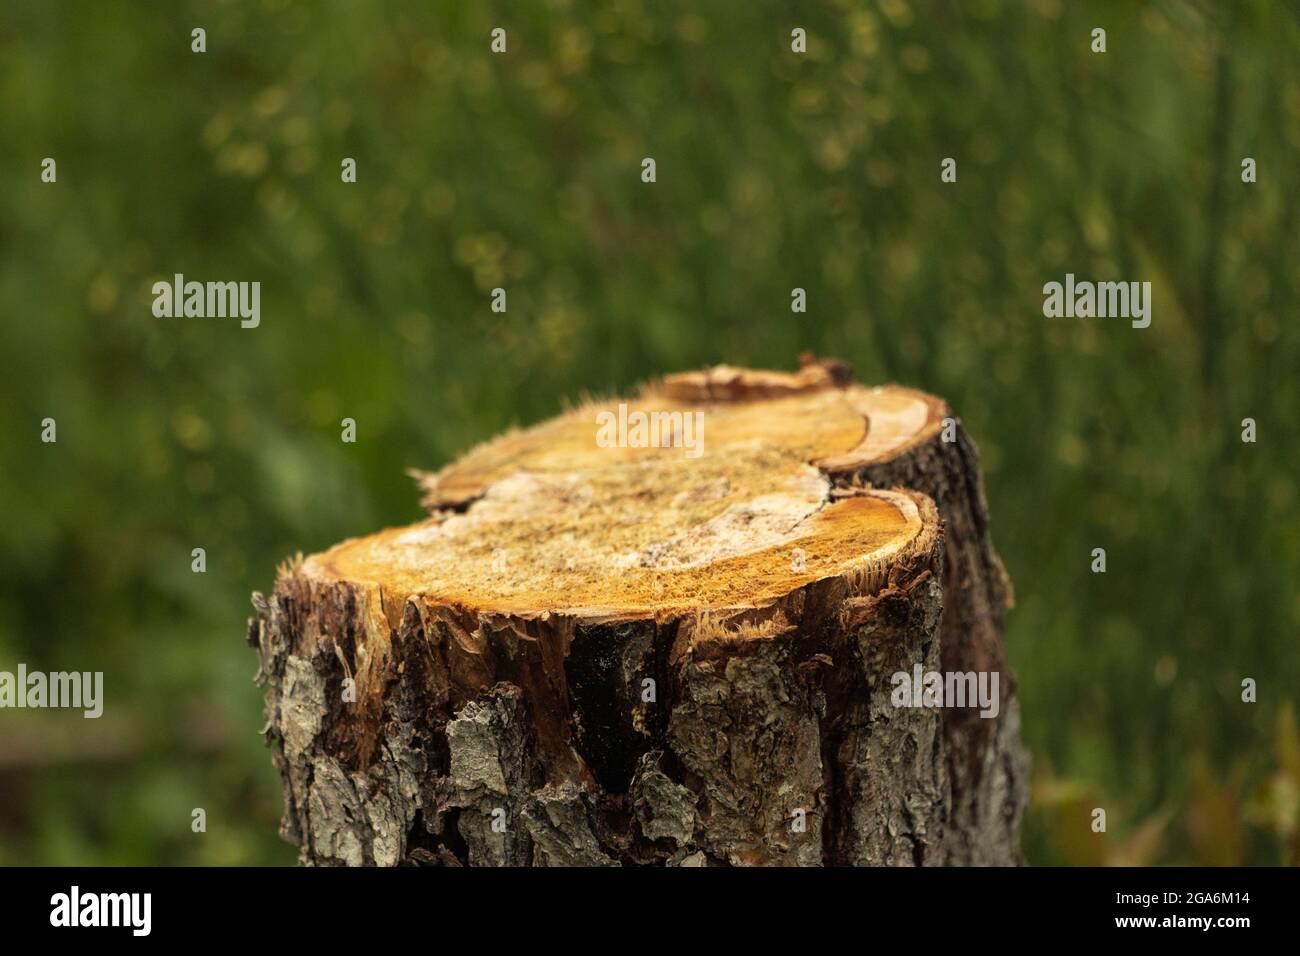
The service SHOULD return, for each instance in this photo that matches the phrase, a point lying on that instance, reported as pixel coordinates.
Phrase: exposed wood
(628, 655)
(800, 417)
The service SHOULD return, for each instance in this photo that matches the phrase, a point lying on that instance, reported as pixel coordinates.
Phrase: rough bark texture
(409, 730)
(988, 769)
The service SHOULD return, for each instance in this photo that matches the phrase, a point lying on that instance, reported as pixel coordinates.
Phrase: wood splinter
(596, 653)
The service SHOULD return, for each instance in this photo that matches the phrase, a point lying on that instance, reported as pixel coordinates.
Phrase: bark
(988, 769)
(460, 724)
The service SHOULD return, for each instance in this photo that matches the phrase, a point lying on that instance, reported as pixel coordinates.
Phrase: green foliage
(523, 170)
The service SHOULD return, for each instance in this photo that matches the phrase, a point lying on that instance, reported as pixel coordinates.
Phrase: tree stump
(636, 650)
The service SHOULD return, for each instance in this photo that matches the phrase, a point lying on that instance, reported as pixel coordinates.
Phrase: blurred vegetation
(774, 171)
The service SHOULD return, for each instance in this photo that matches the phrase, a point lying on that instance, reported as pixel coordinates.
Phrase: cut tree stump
(596, 655)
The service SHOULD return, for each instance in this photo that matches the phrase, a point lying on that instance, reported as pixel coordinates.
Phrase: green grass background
(774, 171)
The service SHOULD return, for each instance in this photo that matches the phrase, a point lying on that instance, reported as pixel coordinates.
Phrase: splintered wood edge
(727, 383)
